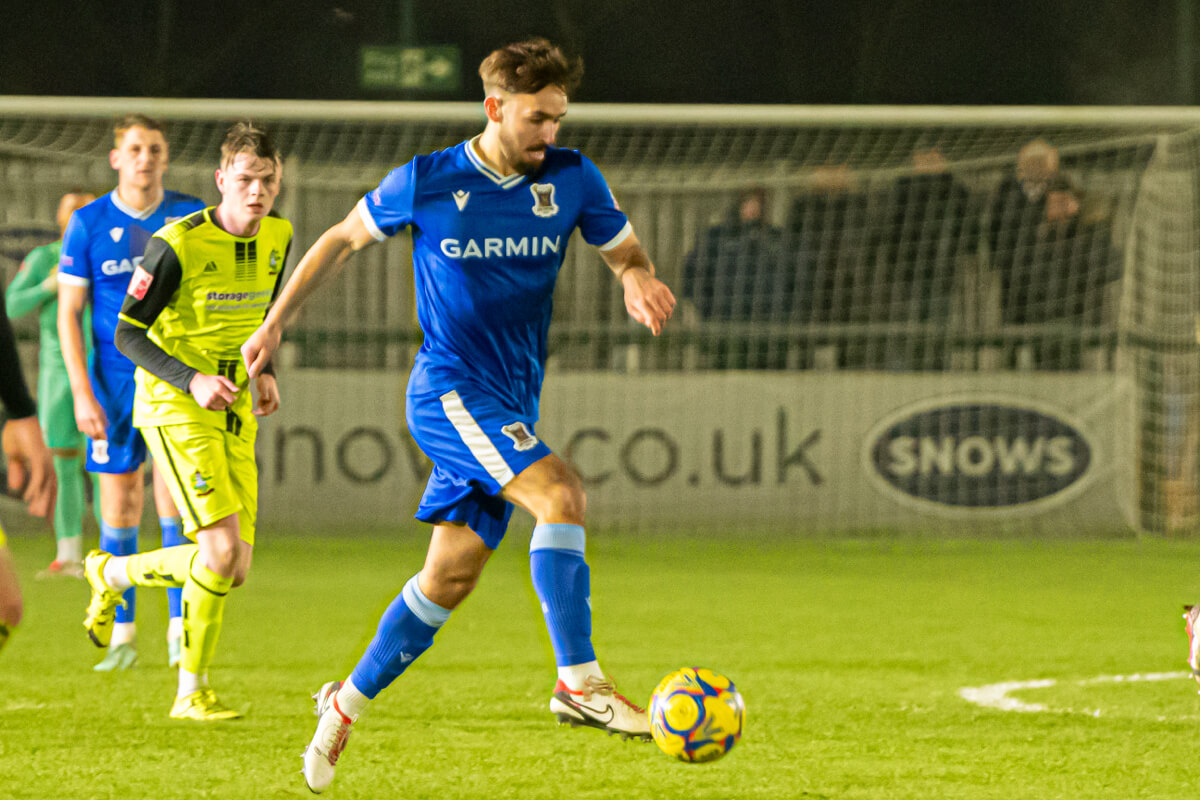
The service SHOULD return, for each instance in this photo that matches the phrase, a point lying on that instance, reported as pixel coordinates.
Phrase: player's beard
(528, 164)
(522, 160)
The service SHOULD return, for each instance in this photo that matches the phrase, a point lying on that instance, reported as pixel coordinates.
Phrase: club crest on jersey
(543, 196)
(273, 263)
(200, 484)
(139, 283)
(522, 438)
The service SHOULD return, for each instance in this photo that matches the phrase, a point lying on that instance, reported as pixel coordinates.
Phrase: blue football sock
(172, 535)
(405, 631)
(563, 585)
(121, 542)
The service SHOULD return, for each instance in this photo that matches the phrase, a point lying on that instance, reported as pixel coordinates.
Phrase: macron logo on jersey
(500, 248)
(116, 234)
(461, 198)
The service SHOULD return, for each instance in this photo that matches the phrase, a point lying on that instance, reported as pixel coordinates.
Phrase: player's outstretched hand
(268, 396)
(30, 465)
(90, 417)
(259, 348)
(647, 299)
(214, 392)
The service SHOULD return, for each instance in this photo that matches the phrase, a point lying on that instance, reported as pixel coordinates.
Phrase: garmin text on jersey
(495, 247)
(115, 267)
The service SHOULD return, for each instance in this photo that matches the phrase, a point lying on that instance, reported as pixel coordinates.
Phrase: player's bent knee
(565, 502)
(448, 586)
(221, 556)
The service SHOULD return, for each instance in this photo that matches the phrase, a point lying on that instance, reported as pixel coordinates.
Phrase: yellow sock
(203, 609)
(167, 566)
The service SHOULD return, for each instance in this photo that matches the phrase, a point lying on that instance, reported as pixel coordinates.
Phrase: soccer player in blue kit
(102, 246)
(490, 219)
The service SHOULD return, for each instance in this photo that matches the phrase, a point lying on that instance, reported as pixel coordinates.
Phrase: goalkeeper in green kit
(36, 287)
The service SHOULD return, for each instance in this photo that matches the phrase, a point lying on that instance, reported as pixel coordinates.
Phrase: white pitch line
(995, 695)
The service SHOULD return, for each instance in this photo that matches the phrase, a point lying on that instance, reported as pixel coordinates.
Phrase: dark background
(638, 51)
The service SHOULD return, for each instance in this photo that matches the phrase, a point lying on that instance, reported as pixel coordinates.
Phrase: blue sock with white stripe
(405, 631)
(563, 585)
(121, 542)
(172, 536)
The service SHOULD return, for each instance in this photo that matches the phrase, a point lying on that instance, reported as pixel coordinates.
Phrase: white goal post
(942, 318)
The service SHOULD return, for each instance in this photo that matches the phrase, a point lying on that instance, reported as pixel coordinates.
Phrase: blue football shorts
(477, 447)
(125, 450)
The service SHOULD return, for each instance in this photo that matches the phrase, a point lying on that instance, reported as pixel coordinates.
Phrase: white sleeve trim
(73, 280)
(365, 214)
(621, 236)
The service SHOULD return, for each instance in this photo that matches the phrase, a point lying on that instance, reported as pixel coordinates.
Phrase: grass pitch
(850, 655)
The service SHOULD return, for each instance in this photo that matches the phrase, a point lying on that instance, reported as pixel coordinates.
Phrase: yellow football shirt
(201, 292)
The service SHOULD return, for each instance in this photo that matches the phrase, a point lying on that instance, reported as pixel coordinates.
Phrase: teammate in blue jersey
(490, 220)
(104, 242)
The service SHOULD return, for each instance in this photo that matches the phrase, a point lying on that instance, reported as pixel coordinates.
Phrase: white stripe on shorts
(475, 439)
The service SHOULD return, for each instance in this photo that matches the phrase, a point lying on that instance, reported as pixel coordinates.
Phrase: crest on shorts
(522, 438)
(201, 484)
(543, 196)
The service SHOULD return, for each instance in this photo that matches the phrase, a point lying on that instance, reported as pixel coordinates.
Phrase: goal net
(942, 319)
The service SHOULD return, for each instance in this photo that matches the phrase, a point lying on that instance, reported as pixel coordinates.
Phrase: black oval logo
(980, 455)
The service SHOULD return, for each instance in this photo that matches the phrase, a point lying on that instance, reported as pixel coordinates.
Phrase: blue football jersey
(486, 253)
(103, 243)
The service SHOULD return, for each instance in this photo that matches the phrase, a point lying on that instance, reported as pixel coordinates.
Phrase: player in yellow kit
(202, 289)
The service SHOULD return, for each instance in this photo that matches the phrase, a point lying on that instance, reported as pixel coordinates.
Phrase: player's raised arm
(323, 260)
(647, 299)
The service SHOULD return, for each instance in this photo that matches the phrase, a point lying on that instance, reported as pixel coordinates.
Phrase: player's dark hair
(528, 67)
(246, 137)
(127, 121)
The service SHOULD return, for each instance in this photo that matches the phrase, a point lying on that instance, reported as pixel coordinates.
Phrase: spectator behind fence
(827, 228)
(921, 225)
(739, 271)
(1018, 204)
(1057, 269)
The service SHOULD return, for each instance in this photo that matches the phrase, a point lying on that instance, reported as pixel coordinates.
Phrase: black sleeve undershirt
(14, 392)
(134, 342)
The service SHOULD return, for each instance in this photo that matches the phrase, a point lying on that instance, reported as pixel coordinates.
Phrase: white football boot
(333, 729)
(598, 705)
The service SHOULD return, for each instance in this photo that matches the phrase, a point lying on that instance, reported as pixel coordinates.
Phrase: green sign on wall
(435, 68)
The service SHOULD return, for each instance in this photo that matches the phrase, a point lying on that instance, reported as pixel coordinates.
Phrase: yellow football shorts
(3, 538)
(211, 473)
